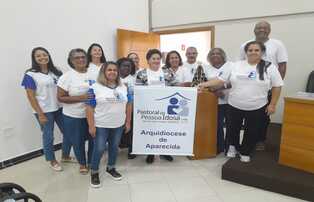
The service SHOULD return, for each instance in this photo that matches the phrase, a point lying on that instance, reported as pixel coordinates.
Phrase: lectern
(205, 145)
(297, 136)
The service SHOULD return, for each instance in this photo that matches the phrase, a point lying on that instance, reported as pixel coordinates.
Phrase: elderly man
(275, 50)
(276, 53)
(191, 65)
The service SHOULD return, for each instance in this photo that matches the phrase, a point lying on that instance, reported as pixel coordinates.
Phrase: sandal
(55, 166)
(84, 170)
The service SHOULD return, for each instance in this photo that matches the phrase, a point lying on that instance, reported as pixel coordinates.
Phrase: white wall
(201, 40)
(175, 12)
(295, 31)
(59, 26)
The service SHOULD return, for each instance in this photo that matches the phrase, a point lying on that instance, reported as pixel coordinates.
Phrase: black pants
(253, 121)
(222, 119)
(264, 125)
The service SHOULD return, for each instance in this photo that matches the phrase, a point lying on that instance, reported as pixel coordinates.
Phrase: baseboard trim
(25, 157)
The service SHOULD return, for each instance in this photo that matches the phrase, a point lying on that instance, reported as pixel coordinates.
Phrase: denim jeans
(113, 136)
(76, 131)
(47, 130)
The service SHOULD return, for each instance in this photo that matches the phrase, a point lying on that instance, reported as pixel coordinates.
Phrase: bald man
(276, 53)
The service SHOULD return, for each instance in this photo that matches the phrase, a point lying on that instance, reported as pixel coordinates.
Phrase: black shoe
(131, 156)
(150, 159)
(94, 180)
(114, 174)
(167, 157)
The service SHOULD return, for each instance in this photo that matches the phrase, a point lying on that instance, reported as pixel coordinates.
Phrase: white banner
(164, 120)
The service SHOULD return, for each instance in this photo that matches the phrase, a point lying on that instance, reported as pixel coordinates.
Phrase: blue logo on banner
(177, 104)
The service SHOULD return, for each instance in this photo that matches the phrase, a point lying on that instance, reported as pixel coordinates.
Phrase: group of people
(93, 101)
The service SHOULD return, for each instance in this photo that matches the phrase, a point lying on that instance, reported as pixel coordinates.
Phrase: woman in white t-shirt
(108, 113)
(174, 63)
(218, 64)
(40, 83)
(73, 92)
(250, 80)
(127, 75)
(95, 58)
(154, 75)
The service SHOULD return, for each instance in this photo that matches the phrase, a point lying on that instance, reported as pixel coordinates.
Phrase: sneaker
(56, 166)
(114, 174)
(150, 159)
(260, 146)
(232, 152)
(245, 159)
(131, 156)
(167, 157)
(94, 180)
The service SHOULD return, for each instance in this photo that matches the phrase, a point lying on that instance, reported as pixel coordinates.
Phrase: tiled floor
(180, 181)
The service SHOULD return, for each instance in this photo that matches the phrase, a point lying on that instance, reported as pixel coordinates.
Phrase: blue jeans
(47, 130)
(76, 131)
(113, 136)
(221, 142)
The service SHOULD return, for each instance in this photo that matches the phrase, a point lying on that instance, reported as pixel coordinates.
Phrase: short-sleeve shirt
(109, 105)
(275, 53)
(45, 87)
(213, 73)
(248, 92)
(76, 84)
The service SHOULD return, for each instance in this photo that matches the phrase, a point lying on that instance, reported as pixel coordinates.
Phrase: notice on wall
(164, 120)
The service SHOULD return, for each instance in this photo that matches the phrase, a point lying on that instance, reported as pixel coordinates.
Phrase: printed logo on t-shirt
(252, 75)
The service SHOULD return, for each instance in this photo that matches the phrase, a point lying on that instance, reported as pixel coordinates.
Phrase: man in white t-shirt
(276, 52)
(190, 66)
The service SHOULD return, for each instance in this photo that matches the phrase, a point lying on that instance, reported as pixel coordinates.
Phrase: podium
(297, 136)
(205, 138)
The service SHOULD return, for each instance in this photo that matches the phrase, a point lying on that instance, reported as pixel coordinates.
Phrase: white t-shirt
(45, 87)
(93, 71)
(155, 78)
(248, 92)
(275, 51)
(179, 74)
(214, 73)
(190, 69)
(75, 83)
(110, 109)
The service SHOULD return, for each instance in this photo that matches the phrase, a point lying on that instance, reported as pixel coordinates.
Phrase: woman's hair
(221, 51)
(102, 77)
(152, 52)
(167, 63)
(262, 65)
(72, 52)
(132, 53)
(89, 51)
(124, 59)
(36, 67)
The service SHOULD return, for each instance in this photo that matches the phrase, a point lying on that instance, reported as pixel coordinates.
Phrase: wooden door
(138, 42)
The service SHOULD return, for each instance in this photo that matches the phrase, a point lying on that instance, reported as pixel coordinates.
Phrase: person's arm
(271, 108)
(213, 83)
(34, 103)
(90, 120)
(63, 96)
(282, 68)
(129, 109)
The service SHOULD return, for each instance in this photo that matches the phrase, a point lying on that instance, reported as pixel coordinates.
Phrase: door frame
(193, 29)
